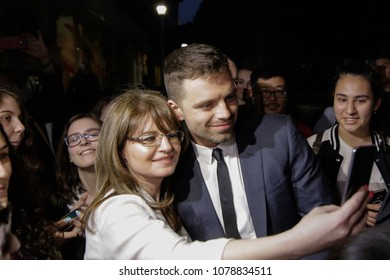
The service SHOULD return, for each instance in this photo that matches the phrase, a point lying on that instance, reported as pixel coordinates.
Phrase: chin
(221, 138)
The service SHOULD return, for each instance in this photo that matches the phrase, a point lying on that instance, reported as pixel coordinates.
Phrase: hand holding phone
(66, 222)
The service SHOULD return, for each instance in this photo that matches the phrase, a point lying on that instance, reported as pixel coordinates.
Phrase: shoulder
(267, 123)
(321, 137)
(121, 204)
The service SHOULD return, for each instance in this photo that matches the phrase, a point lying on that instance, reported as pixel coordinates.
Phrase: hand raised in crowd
(36, 47)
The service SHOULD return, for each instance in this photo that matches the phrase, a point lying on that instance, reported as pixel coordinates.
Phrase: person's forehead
(244, 73)
(204, 86)
(382, 60)
(78, 126)
(276, 80)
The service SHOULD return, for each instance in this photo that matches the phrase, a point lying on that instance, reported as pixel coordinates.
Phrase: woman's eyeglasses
(151, 139)
(75, 139)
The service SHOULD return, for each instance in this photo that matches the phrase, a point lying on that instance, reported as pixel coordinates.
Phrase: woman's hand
(75, 223)
(325, 225)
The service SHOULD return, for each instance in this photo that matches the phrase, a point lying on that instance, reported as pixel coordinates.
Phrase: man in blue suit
(274, 174)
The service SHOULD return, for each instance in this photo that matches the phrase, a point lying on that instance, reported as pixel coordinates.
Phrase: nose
(223, 111)
(4, 173)
(165, 144)
(272, 96)
(19, 127)
(351, 109)
(84, 140)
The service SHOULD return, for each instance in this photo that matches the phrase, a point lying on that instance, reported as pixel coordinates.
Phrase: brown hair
(191, 62)
(66, 172)
(127, 113)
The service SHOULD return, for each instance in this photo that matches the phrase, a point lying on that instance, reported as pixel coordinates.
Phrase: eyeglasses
(75, 139)
(278, 93)
(151, 139)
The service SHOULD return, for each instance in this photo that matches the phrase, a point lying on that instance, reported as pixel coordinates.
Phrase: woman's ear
(178, 113)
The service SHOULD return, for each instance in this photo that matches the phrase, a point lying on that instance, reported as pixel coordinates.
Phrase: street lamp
(161, 11)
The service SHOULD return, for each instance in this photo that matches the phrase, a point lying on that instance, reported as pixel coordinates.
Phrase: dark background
(309, 38)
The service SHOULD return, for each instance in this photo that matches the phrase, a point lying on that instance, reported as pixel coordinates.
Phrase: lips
(223, 126)
(272, 105)
(3, 190)
(86, 152)
(350, 120)
(164, 159)
(15, 143)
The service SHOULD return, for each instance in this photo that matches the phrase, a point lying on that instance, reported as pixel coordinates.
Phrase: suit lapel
(252, 172)
(204, 206)
(194, 201)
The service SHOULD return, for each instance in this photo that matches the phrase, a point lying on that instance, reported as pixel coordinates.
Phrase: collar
(335, 140)
(205, 153)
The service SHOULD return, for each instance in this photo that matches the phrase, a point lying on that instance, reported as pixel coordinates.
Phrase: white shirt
(208, 167)
(376, 180)
(126, 228)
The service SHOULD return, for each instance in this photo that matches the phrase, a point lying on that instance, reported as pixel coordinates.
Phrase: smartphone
(359, 170)
(378, 196)
(12, 43)
(65, 223)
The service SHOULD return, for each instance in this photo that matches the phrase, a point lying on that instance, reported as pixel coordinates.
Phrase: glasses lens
(73, 140)
(279, 93)
(175, 136)
(154, 139)
(93, 135)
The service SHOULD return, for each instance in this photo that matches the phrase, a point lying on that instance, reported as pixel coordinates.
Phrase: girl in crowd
(357, 96)
(76, 174)
(33, 193)
(133, 216)
(9, 244)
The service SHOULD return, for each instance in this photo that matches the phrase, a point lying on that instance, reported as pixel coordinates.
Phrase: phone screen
(65, 223)
(378, 196)
(359, 170)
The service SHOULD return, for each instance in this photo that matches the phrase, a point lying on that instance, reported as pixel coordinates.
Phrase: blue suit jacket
(281, 176)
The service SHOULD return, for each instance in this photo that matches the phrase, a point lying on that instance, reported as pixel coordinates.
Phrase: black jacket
(327, 149)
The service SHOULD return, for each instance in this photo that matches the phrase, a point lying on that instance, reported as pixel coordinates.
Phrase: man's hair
(191, 62)
(268, 71)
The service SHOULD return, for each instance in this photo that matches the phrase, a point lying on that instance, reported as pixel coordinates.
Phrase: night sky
(187, 10)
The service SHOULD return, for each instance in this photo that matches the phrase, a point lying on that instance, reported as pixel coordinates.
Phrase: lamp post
(161, 11)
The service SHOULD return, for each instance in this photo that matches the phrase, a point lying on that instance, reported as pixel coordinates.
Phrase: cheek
(132, 154)
(7, 128)
(367, 112)
(338, 111)
(72, 154)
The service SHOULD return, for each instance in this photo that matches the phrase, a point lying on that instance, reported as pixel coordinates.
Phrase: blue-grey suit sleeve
(307, 178)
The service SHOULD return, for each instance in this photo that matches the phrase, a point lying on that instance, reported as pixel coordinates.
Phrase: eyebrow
(7, 111)
(357, 96)
(86, 131)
